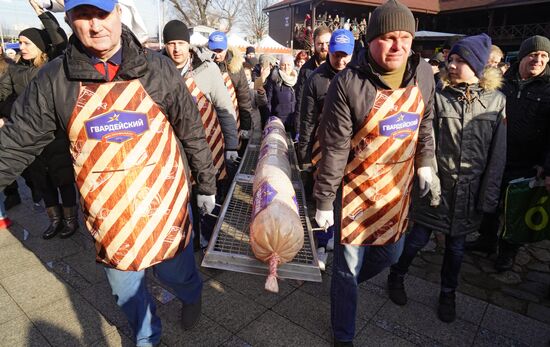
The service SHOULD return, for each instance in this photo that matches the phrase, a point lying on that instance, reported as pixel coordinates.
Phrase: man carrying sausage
(375, 134)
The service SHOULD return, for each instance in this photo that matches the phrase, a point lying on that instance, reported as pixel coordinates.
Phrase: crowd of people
(392, 147)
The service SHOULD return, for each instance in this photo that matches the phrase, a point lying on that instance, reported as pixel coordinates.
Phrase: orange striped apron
(233, 93)
(316, 149)
(212, 128)
(131, 176)
(379, 174)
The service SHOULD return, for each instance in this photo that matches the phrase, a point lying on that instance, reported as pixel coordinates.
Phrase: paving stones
(507, 277)
(522, 258)
(540, 277)
(540, 254)
(423, 319)
(227, 307)
(372, 335)
(271, 329)
(21, 332)
(71, 321)
(539, 312)
(9, 309)
(540, 267)
(539, 289)
(516, 326)
(520, 294)
(509, 302)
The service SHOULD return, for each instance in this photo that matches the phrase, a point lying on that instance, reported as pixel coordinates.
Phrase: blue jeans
(130, 290)
(351, 266)
(416, 239)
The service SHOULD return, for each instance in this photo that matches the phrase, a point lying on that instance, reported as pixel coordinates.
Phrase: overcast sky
(16, 15)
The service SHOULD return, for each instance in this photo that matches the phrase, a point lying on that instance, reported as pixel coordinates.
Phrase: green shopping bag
(526, 211)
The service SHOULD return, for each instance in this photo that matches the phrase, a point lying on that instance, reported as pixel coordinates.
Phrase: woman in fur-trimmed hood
(470, 155)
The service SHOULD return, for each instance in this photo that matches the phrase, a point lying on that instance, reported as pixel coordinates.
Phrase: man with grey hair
(135, 138)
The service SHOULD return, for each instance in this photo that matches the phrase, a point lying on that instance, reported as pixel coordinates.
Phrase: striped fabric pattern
(378, 178)
(134, 192)
(212, 127)
(233, 94)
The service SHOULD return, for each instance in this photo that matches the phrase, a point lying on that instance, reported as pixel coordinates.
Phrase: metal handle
(209, 214)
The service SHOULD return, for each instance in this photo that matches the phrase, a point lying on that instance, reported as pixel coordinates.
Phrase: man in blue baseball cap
(341, 47)
(105, 5)
(230, 61)
(126, 112)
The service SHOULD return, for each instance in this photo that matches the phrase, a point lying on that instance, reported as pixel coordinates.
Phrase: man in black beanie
(375, 133)
(205, 83)
(526, 85)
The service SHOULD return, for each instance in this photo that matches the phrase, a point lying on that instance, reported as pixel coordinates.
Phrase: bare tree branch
(228, 11)
(257, 22)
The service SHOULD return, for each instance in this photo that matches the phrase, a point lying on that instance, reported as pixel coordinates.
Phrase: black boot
(70, 222)
(396, 289)
(190, 314)
(56, 222)
(482, 244)
(447, 307)
(12, 200)
(343, 343)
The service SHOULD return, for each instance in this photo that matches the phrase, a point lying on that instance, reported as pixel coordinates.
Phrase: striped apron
(212, 128)
(379, 174)
(316, 149)
(233, 93)
(131, 176)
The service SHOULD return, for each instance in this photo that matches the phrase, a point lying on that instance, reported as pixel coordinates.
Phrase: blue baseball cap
(105, 5)
(217, 40)
(342, 40)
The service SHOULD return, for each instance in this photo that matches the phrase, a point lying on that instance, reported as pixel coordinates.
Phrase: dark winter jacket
(313, 98)
(280, 96)
(55, 160)
(49, 100)
(303, 75)
(528, 116)
(233, 64)
(349, 100)
(470, 152)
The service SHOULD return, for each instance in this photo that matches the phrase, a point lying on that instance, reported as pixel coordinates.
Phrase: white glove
(244, 134)
(231, 155)
(206, 203)
(425, 180)
(324, 219)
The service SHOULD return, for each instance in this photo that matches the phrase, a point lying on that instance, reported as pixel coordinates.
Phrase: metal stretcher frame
(229, 248)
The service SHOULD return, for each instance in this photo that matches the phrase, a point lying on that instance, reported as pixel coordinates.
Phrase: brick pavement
(52, 293)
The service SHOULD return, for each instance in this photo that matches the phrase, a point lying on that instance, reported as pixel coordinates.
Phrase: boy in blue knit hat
(470, 137)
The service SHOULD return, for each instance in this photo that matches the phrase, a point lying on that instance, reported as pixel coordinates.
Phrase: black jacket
(55, 160)
(528, 112)
(50, 98)
(305, 72)
(313, 98)
(233, 64)
(349, 100)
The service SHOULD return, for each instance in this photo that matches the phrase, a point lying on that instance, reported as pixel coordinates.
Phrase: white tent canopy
(198, 40)
(268, 42)
(236, 41)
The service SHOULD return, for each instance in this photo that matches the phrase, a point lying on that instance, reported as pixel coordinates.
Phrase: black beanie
(533, 44)
(475, 50)
(250, 49)
(176, 30)
(392, 16)
(39, 37)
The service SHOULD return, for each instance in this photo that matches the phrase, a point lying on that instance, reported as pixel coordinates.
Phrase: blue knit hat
(475, 50)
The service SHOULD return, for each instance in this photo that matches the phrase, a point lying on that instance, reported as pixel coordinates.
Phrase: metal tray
(229, 247)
